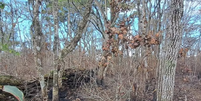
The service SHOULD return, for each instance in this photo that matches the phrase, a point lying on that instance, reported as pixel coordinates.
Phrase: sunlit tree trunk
(169, 52)
(55, 91)
(38, 45)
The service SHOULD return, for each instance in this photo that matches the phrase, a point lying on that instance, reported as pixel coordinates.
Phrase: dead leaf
(121, 36)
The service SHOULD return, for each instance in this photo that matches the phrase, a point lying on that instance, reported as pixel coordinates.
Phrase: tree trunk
(58, 62)
(55, 91)
(38, 43)
(169, 52)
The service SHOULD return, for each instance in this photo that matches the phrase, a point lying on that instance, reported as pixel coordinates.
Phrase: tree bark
(38, 43)
(169, 52)
(55, 91)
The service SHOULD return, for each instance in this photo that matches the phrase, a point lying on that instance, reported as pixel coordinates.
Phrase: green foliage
(2, 5)
(14, 91)
(5, 48)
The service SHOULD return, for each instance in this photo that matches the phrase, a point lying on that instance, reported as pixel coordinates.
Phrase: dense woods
(101, 50)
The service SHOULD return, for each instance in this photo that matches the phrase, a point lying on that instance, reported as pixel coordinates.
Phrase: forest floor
(187, 88)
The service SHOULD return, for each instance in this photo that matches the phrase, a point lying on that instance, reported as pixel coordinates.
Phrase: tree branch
(70, 47)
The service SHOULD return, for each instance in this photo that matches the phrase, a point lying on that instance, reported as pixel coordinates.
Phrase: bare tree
(38, 45)
(55, 90)
(57, 82)
(105, 18)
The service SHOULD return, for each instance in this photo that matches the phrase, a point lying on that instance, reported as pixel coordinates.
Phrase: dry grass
(127, 79)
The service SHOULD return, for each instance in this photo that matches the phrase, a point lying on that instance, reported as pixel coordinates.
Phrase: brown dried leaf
(158, 35)
(105, 48)
(121, 36)
(152, 41)
(138, 38)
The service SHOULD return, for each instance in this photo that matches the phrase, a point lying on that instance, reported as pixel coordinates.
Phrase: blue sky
(25, 25)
